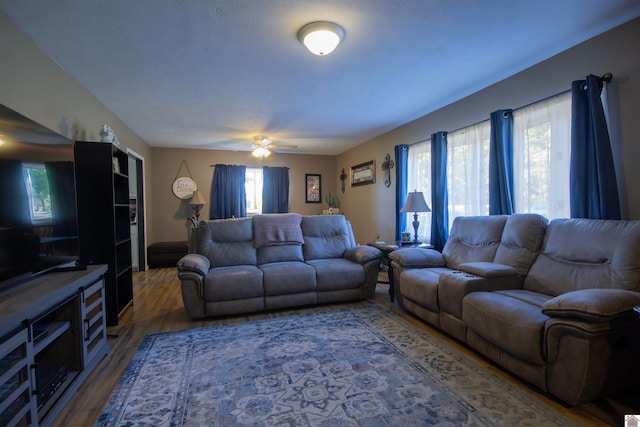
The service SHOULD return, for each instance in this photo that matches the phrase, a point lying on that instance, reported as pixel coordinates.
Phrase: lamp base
(415, 224)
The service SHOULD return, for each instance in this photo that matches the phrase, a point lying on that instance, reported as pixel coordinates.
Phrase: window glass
(541, 157)
(468, 170)
(253, 189)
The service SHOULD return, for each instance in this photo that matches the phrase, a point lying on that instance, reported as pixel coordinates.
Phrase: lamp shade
(197, 199)
(321, 37)
(415, 203)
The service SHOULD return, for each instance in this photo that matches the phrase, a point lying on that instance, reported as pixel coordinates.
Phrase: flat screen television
(38, 215)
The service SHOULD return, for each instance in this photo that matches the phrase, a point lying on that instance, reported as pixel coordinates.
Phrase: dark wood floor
(158, 308)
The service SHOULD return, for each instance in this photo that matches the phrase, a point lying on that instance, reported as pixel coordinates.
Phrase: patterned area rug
(361, 366)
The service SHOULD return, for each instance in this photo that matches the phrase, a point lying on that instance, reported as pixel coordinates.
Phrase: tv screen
(38, 219)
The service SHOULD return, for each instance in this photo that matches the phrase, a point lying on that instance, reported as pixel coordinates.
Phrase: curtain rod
(606, 77)
(487, 119)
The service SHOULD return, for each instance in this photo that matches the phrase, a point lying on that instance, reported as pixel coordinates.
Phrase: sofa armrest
(417, 258)
(593, 305)
(488, 269)
(592, 335)
(603, 355)
(193, 263)
(363, 254)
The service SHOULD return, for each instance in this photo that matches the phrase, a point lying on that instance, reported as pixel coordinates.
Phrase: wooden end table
(386, 248)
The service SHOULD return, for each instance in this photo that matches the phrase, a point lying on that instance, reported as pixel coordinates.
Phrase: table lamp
(415, 203)
(196, 202)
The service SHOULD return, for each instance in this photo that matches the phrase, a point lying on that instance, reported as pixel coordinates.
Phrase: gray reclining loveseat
(552, 303)
(274, 261)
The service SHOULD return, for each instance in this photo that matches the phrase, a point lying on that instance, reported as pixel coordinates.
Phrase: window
(253, 189)
(37, 183)
(419, 178)
(541, 157)
(541, 165)
(468, 170)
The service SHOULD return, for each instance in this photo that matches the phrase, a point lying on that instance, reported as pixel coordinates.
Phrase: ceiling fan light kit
(321, 37)
(263, 146)
(260, 149)
(261, 152)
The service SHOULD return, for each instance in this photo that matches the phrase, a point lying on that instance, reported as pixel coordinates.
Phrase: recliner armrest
(417, 258)
(193, 263)
(362, 254)
(593, 305)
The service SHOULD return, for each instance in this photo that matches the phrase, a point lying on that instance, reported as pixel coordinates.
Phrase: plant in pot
(333, 203)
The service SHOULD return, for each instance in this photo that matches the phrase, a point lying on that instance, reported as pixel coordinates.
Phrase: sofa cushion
(587, 254)
(595, 305)
(277, 229)
(337, 273)
(227, 242)
(521, 241)
(510, 320)
(267, 254)
(473, 238)
(288, 278)
(226, 254)
(233, 282)
(325, 236)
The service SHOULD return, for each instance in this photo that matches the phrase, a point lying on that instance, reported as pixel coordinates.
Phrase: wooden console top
(34, 296)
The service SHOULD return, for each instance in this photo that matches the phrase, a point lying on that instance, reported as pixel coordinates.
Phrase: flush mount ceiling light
(321, 37)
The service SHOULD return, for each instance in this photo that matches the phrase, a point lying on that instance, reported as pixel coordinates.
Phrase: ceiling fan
(262, 146)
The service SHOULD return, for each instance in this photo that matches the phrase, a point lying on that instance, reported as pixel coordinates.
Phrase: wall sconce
(196, 203)
(415, 203)
(321, 37)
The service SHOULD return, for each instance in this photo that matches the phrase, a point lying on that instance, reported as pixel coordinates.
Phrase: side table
(386, 248)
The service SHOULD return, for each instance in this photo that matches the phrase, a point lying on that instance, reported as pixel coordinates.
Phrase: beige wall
(371, 208)
(171, 214)
(32, 84)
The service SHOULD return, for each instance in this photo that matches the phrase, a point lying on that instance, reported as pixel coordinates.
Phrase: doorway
(137, 211)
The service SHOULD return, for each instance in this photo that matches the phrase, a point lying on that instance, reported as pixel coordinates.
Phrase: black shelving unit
(102, 185)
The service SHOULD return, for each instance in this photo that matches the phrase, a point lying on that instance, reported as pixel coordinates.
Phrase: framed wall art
(313, 186)
(364, 173)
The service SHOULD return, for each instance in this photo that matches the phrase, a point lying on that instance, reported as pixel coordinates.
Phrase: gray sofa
(274, 261)
(550, 302)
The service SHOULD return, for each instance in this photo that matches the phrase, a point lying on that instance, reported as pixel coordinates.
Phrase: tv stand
(52, 336)
(76, 266)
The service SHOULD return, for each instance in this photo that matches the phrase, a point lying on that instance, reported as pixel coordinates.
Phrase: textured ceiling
(212, 74)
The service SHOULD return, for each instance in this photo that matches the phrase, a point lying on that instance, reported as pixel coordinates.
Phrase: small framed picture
(313, 186)
(364, 173)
